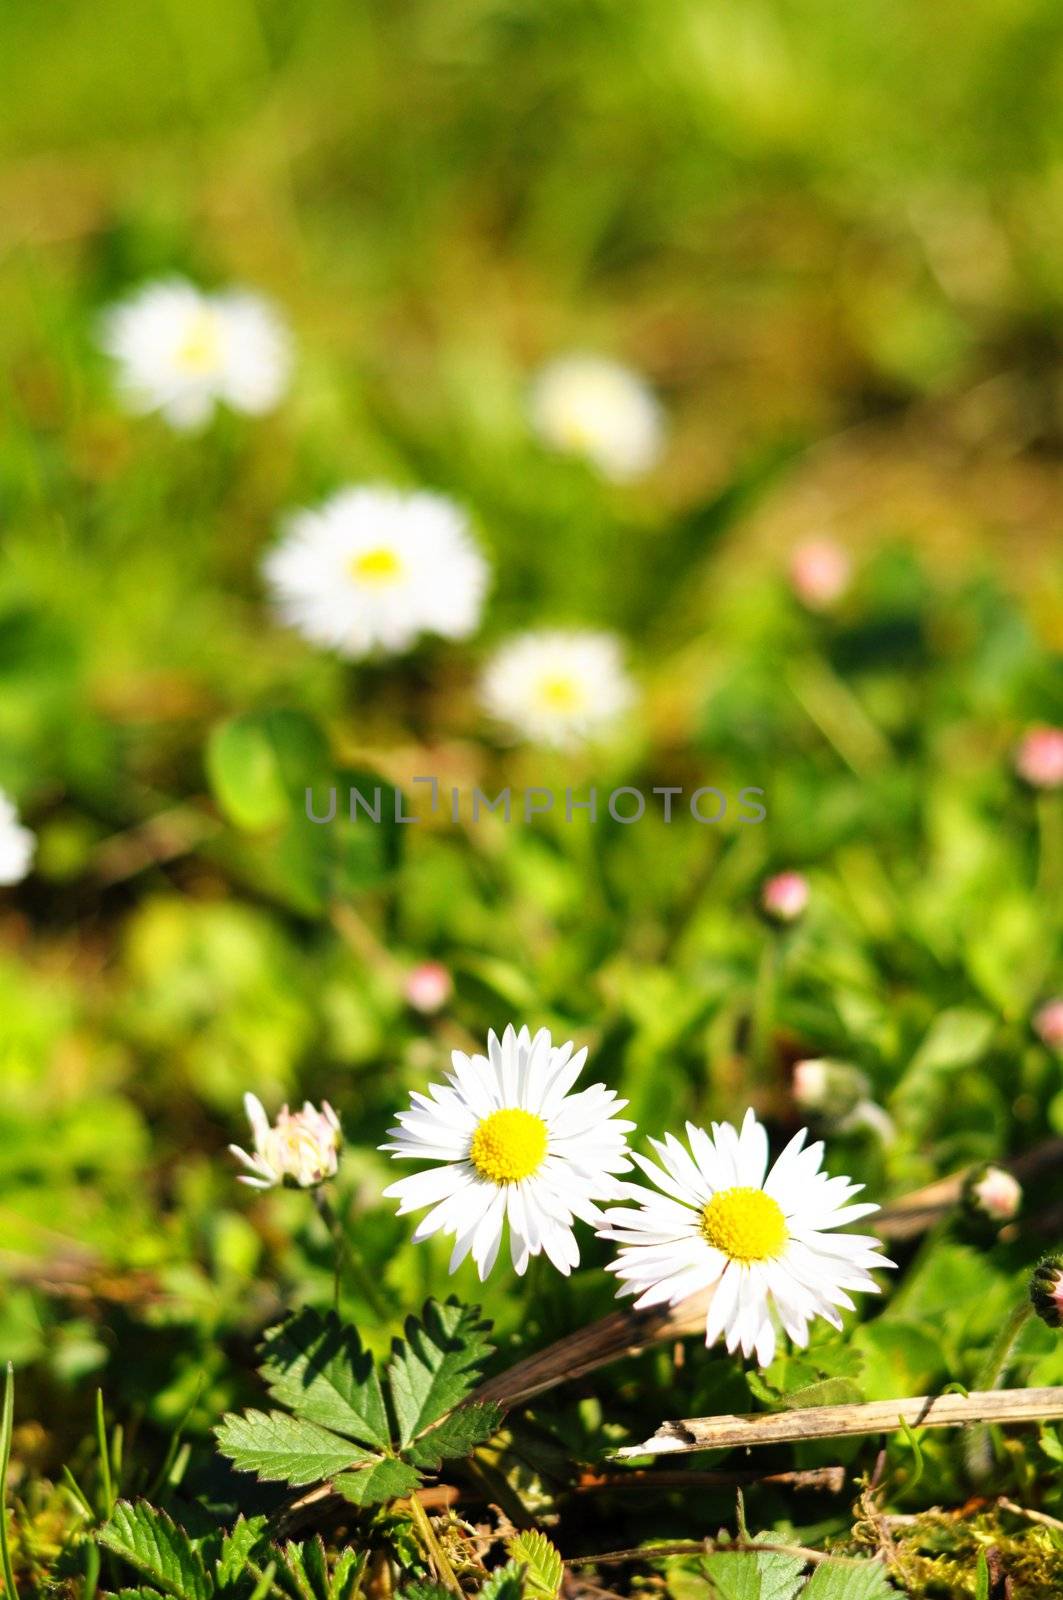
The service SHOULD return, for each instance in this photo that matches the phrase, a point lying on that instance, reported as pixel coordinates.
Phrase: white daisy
(375, 567)
(17, 844)
(760, 1243)
(301, 1149)
(181, 352)
(515, 1145)
(584, 405)
(557, 688)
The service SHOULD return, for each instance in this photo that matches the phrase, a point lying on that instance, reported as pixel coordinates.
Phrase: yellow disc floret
(560, 693)
(199, 352)
(376, 566)
(508, 1146)
(746, 1224)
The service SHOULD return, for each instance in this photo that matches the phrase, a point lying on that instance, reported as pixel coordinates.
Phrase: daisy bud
(1046, 1289)
(828, 1089)
(784, 897)
(991, 1194)
(1039, 758)
(819, 574)
(301, 1149)
(17, 844)
(1048, 1023)
(585, 406)
(428, 987)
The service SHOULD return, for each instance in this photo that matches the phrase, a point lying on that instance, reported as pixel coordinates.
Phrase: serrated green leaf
(507, 1583)
(158, 1548)
(237, 1548)
(456, 1436)
(753, 1575)
(317, 1367)
(425, 1590)
(437, 1364)
(284, 1449)
(304, 1570)
(849, 1580)
(350, 1564)
(545, 1569)
(384, 1480)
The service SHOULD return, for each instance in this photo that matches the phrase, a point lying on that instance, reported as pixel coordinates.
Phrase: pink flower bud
(993, 1193)
(1046, 1290)
(428, 987)
(1048, 1022)
(820, 572)
(301, 1149)
(785, 896)
(1039, 758)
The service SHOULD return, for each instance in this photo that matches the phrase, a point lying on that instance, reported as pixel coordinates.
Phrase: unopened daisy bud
(428, 987)
(1046, 1289)
(301, 1149)
(1048, 1023)
(784, 897)
(586, 406)
(819, 574)
(991, 1194)
(1039, 758)
(17, 844)
(830, 1089)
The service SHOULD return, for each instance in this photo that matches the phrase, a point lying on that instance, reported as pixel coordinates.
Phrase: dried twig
(834, 1422)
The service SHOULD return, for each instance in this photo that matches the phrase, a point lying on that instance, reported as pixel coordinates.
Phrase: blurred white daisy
(375, 567)
(300, 1149)
(181, 352)
(516, 1147)
(17, 844)
(587, 406)
(557, 688)
(758, 1242)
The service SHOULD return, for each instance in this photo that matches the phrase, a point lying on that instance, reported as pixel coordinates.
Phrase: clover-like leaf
(436, 1366)
(316, 1367)
(284, 1449)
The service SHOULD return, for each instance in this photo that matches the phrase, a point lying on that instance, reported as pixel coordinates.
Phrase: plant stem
(105, 1456)
(764, 1004)
(978, 1447)
(7, 1421)
(436, 1553)
(344, 1251)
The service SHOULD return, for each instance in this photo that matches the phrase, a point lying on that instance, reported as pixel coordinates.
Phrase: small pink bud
(1048, 1023)
(820, 572)
(428, 987)
(785, 896)
(1039, 758)
(993, 1193)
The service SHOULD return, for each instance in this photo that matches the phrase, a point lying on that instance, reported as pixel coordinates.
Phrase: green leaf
(956, 1038)
(237, 1548)
(545, 1569)
(388, 1479)
(317, 1367)
(506, 1583)
(849, 1580)
(305, 1566)
(456, 1436)
(283, 1449)
(424, 1590)
(437, 1365)
(348, 1569)
(828, 1392)
(753, 1575)
(261, 764)
(157, 1548)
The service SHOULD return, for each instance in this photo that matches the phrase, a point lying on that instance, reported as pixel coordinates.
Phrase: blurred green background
(831, 236)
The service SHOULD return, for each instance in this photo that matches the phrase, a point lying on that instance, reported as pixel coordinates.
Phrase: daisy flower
(301, 1149)
(375, 567)
(17, 844)
(182, 352)
(586, 406)
(760, 1243)
(514, 1146)
(557, 688)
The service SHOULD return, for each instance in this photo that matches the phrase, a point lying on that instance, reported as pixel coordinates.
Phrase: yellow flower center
(381, 565)
(560, 694)
(199, 352)
(746, 1224)
(508, 1146)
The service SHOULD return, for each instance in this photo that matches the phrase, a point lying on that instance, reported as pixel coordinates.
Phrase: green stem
(764, 1004)
(437, 1555)
(345, 1253)
(105, 1456)
(7, 1427)
(978, 1448)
